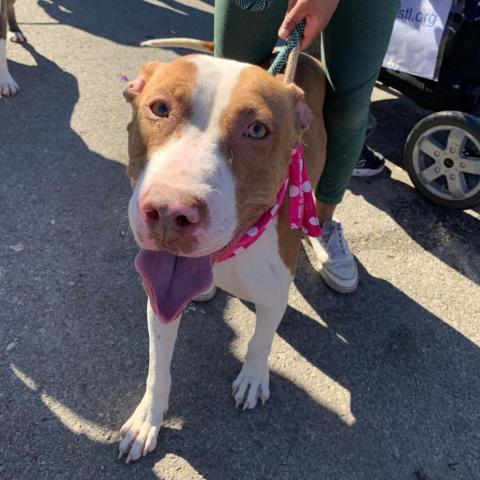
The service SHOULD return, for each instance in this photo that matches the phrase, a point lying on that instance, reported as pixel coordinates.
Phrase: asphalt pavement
(382, 384)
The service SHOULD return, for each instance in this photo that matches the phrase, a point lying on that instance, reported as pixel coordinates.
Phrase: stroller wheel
(442, 158)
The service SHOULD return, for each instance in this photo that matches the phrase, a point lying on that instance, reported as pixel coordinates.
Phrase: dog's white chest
(258, 273)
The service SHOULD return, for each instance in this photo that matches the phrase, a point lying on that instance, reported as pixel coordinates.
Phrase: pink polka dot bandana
(302, 213)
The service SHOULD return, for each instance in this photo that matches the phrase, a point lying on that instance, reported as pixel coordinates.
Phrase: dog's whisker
(123, 227)
(216, 190)
(120, 209)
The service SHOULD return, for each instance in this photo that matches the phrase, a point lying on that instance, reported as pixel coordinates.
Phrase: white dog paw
(250, 386)
(140, 431)
(8, 86)
(17, 37)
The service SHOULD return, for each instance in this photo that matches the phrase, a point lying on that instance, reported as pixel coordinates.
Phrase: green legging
(353, 47)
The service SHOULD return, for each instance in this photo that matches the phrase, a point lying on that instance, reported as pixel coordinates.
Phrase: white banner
(416, 36)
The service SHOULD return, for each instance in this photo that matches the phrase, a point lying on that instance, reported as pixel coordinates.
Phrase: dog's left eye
(257, 130)
(160, 109)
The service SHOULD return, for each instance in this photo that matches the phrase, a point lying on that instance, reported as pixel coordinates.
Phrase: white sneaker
(339, 269)
(206, 296)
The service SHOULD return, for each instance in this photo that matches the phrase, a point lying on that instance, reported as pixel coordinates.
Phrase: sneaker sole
(330, 281)
(367, 172)
(205, 297)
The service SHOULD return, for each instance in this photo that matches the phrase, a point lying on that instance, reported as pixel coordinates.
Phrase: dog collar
(302, 212)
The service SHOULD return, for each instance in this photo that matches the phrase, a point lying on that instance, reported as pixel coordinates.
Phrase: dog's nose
(171, 214)
(179, 217)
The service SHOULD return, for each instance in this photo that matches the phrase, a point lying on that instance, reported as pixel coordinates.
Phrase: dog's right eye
(159, 109)
(257, 131)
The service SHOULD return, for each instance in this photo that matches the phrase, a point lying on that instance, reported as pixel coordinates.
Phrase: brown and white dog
(8, 86)
(209, 147)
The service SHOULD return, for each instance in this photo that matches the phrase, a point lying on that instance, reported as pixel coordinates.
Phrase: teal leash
(282, 57)
(293, 41)
(253, 5)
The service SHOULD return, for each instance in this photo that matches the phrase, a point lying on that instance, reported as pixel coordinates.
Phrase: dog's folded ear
(303, 114)
(133, 89)
(136, 86)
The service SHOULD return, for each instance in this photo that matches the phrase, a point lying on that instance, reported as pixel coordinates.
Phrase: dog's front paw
(8, 86)
(17, 37)
(140, 431)
(251, 385)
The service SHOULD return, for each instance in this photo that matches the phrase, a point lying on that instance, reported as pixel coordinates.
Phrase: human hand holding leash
(317, 14)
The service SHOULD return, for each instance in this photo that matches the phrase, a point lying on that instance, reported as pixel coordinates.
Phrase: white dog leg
(140, 432)
(8, 86)
(253, 381)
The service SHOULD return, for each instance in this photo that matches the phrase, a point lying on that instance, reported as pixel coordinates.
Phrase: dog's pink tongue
(171, 281)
